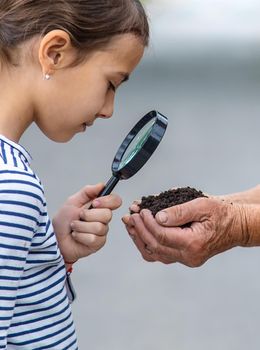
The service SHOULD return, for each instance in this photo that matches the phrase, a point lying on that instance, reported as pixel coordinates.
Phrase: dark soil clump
(169, 198)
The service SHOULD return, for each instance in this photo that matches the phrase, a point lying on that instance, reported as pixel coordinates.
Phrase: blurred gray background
(203, 72)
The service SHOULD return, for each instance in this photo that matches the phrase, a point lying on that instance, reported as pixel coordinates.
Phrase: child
(60, 64)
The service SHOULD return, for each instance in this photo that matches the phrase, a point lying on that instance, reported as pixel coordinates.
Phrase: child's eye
(111, 86)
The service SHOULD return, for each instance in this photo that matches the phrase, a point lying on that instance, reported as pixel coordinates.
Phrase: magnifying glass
(136, 149)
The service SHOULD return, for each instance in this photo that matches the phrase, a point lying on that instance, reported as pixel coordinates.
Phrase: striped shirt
(35, 310)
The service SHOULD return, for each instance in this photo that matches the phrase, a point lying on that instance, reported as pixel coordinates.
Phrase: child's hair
(90, 23)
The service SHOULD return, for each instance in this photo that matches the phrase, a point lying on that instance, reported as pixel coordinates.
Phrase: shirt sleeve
(70, 289)
(20, 203)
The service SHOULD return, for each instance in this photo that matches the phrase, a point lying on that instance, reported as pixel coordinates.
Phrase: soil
(169, 198)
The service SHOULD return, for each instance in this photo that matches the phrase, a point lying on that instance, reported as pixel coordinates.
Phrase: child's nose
(108, 108)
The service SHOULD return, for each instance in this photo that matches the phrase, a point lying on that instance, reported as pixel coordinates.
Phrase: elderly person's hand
(80, 231)
(193, 232)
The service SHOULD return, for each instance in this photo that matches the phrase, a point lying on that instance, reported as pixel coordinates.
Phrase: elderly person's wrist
(240, 229)
(246, 228)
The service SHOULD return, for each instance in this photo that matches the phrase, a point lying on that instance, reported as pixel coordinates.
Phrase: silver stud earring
(47, 77)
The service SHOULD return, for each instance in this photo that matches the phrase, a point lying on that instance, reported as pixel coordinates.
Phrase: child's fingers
(85, 195)
(92, 191)
(96, 215)
(112, 201)
(92, 242)
(94, 228)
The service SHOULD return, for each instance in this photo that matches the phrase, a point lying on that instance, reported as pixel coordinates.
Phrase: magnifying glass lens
(137, 144)
(136, 148)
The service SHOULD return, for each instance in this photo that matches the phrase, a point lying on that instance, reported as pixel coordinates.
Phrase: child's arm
(79, 231)
(21, 205)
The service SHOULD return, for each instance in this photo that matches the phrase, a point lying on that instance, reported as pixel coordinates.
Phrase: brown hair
(90, 23)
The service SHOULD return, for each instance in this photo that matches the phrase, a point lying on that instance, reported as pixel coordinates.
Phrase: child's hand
(80, 231)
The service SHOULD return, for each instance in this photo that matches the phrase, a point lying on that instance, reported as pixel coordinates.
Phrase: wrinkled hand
(212, 226)
(81, 231)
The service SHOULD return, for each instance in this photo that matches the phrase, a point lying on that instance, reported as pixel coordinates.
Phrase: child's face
(74, 97)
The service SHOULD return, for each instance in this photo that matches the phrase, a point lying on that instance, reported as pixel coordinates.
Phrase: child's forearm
(251, 196)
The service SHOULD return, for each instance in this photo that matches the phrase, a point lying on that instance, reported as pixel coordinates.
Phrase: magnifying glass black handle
(110, 185)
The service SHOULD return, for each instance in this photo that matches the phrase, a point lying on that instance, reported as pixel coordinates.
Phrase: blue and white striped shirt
(35, 310)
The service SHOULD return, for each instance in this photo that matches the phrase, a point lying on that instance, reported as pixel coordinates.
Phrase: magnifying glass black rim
(148, 148)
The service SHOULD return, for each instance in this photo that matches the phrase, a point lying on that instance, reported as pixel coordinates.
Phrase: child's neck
(16, 112)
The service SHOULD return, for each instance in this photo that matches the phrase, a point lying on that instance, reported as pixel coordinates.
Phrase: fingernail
(142, 214)
(163, 217)
(72, 225)
(124, 221)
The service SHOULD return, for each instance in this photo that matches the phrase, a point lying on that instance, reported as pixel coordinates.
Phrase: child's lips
(86, 125)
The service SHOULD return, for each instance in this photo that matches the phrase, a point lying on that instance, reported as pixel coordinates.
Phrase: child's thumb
(85, 195)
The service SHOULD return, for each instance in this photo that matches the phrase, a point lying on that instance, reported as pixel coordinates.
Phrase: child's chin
(62, 138)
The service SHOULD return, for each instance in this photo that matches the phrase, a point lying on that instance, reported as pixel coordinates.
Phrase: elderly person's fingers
(171, 237)
(134, 208)
(126, 219)
(147, 243)
(141, 246)
(150, 249)
(182, 214)
(142, 232)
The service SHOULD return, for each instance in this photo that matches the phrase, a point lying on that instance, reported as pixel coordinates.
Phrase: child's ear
(55, 51)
